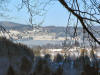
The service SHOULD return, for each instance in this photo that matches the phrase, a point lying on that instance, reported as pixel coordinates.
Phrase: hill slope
(60, 31)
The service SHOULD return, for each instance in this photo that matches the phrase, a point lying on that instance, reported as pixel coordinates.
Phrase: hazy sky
(56, 15)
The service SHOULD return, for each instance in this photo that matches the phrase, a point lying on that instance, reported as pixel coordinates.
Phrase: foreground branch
(80, 19)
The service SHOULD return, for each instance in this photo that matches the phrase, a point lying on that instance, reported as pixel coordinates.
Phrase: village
(74, 52)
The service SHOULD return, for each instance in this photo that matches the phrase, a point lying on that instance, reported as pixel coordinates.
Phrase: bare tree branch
(81, 19)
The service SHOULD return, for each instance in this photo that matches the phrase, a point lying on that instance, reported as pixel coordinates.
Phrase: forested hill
(8, 48)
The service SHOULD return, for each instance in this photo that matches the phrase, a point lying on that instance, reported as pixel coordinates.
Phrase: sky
(56, 15)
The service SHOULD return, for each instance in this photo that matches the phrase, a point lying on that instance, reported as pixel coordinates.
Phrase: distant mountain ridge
(20, 27)
(14, 26)
(60, 31)
(9, 24)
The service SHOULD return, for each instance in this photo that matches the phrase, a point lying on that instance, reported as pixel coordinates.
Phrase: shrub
(59, 71)
(88, 70)
(58, 58)
(42, 67)
(26, 65)
(10, 71)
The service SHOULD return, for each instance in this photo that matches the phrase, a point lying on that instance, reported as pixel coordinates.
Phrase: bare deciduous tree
(85, 12)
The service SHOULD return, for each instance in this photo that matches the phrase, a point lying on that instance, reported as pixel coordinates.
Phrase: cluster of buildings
(73, 52)
(36, 34)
